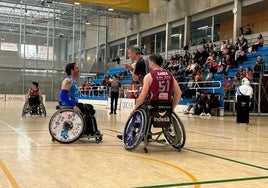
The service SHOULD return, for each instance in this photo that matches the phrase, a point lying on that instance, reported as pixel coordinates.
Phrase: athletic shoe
(203, 114)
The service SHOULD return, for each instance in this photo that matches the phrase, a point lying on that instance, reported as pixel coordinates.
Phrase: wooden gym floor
(218, 153)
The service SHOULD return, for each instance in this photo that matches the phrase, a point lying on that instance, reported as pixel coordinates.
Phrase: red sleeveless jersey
(161, 87)
(34, 93)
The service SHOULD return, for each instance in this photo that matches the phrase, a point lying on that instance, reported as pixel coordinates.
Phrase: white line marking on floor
(20, 133)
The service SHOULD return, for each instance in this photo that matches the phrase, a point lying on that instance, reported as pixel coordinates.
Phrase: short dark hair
(156, 58)
(135, 48)
(69, 67)
(35, 83)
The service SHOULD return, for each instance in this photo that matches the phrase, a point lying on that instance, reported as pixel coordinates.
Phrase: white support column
(126, 47)
(186, 30)
(139, 39)
(168, 39)
(212, 28)
(237, 11)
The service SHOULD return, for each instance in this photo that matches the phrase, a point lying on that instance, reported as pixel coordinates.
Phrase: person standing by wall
(115, 86)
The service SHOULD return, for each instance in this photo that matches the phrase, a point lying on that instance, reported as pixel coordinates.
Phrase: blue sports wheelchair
(33, 107)
(157, 116)
(67, 126)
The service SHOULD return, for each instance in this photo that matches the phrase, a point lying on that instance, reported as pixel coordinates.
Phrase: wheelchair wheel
(25, 109)
(175, 133)
(42, 109)
(66, 126)
(134, 130)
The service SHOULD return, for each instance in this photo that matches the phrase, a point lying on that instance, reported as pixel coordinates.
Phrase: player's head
(157, 59)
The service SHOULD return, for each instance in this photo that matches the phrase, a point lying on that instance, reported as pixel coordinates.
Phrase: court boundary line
(206, 182)
(10, 178)
(20, 133)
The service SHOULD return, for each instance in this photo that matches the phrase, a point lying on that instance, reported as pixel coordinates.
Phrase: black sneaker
(97, 133)
(114, 112)
(111, 112)
(120, 137)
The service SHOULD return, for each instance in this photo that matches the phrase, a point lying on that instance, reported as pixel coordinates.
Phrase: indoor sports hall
(215, 137)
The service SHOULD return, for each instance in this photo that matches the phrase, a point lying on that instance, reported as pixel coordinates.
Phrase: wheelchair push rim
(134, 130)
(66, 126)
(175, 133)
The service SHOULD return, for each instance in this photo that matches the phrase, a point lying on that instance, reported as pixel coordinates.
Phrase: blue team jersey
(73, 95)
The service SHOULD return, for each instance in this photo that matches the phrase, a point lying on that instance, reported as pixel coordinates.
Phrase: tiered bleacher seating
(110, 72)
(252, 57)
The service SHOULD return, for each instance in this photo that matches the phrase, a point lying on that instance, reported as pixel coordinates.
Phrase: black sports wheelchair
(149, 118)
(67, 126)
(33, 106)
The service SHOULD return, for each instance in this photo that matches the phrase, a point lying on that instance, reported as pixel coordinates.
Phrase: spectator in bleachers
(191, 66)
(211, 46)
(187, 56)
(211, 62)
(189, 44)
(243, 43)
(174, 66)
(197, 75)
(203, 56)
(258, 43)
(236, 44)
(223, 48)
(221, 66)
(240, 56)
(248, 30)
(248, 74)
(209, 76)
(240, 73)
(259, 67)
(229, 62)
(229, 45)
(106, 80)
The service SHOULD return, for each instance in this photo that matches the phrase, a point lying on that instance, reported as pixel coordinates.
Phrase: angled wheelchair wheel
(134, 130)
(66, 126)
(42, 109)
(175, 133)
(25, 108)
